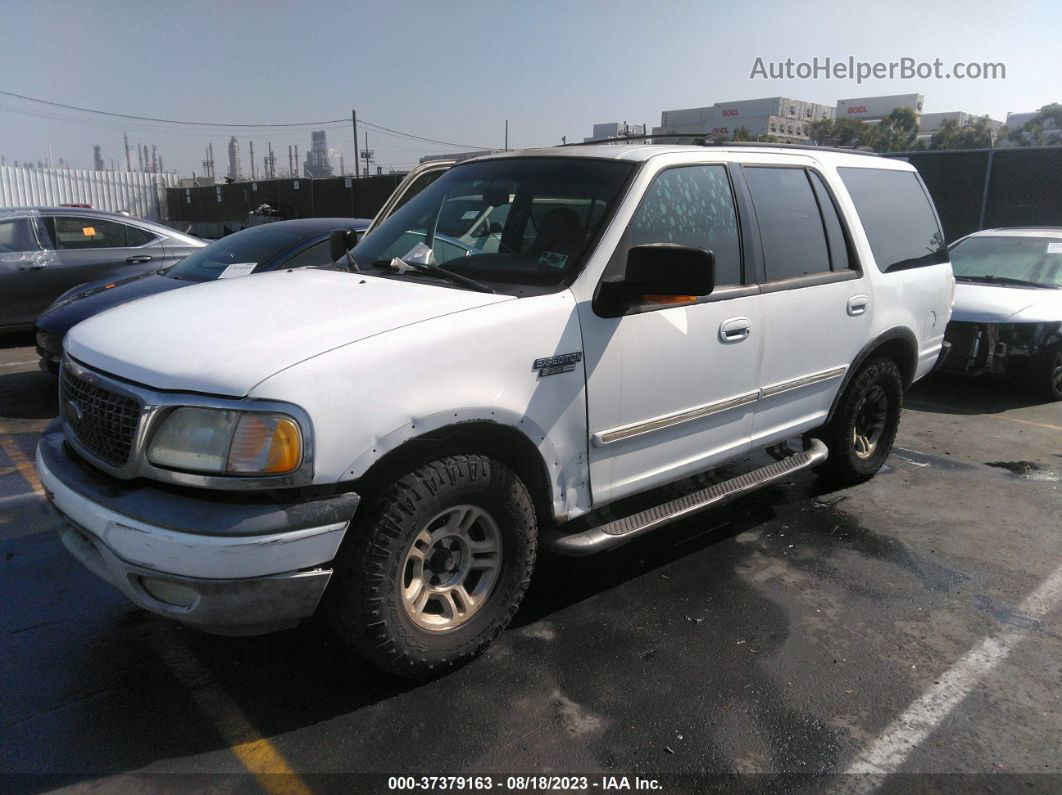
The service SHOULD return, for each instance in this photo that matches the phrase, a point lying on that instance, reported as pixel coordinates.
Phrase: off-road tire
(1042, 374)
(844, 467)
(365, 603)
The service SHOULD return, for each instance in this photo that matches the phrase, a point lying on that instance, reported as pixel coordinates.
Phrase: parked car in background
(394, 443)
(46, 251)
(1008, 306)
(281, 244)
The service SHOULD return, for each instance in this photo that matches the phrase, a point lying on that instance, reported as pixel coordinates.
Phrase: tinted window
(256, 246)
(692, 206)
(317, 254)
(832, 221)
(16, 236)
(897, 217)
(791, 229)
(1002, 260)
(75, 233)
(135, 236)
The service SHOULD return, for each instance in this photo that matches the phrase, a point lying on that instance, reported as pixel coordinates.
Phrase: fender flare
(418, 427)
(896, 333)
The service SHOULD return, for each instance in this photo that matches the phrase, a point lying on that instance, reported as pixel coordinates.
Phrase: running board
(620, 531)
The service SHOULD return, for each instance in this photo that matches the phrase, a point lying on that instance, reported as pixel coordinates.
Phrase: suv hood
(223, 337)
(989, 303)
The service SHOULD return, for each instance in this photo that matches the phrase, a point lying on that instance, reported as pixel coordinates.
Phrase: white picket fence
(142, 195)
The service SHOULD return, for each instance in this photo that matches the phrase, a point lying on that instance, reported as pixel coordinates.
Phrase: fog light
(171, 593)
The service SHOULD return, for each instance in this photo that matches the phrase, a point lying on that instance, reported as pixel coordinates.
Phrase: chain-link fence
(987, 188)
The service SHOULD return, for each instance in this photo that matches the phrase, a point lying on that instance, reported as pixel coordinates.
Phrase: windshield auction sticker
(237, 269)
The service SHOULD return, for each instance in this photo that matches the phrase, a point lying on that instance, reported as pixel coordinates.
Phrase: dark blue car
(281, 244)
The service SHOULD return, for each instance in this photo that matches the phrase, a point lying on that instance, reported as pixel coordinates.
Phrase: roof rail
(703, 141)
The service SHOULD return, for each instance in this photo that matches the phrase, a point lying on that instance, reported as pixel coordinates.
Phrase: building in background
(317, 162)
(1051, 132)
(930, 123)
(619, 130)
(784, 118)
(873, 109)
(97, 158)
(235, 172)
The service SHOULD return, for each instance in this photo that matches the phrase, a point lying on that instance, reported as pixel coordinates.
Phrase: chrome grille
(103, 421)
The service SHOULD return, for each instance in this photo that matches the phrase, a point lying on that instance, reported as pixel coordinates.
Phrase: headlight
(220, 441)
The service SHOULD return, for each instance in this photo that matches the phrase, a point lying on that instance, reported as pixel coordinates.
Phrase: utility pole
(366, 153)
(140, 156)
(272, 162)
(128, 163)
(298, 168)
(291, 168)
(342, 167)
(154, 161)
(357, 161)
(506, 135)
(251, 144)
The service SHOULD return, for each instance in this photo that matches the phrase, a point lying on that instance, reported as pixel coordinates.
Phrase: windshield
(521, 222)
(1036, 261)
(235, 255)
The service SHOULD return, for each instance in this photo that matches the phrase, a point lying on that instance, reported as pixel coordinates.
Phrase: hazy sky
(457, 70)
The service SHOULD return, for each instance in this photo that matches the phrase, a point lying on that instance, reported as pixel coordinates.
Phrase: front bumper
(994, 348)
(224, 566)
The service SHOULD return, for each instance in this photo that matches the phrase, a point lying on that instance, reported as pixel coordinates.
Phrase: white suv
(530, 338)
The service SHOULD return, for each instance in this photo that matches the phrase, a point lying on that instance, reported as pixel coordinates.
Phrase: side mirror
(659, 273)
(338, 244)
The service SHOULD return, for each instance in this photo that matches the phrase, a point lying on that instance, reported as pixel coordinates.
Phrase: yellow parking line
(259, 756)
(22, 464)
(1030, 422)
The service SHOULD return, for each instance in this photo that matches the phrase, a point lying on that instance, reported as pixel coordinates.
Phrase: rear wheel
(438, 568)
(864, 425)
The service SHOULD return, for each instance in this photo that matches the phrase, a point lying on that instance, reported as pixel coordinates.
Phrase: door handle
(139, 258)
(858, 304)
(735, 329)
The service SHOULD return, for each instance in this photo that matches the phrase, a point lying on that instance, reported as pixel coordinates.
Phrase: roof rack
(703, 141)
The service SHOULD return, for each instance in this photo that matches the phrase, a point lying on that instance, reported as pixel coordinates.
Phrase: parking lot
(912, 624)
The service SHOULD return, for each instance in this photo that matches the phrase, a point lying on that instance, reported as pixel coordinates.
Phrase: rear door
(89, 248)
(816, 303)
(25, 273)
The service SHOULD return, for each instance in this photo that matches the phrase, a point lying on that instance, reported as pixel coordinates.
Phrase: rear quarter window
(897, 216)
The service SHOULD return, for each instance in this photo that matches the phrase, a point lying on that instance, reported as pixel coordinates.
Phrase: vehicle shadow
(946, 393)
(28, 395)
(17, 339)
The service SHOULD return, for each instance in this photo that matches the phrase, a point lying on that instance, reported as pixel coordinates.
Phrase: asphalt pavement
(910, 625)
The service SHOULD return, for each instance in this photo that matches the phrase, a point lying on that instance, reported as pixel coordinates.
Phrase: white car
(394, 442)
(1007, 317)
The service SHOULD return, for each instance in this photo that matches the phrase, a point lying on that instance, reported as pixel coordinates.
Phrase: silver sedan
(44, 251)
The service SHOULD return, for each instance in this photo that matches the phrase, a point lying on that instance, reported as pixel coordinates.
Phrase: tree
(976, 134)
(741, 134)
(897, 131)
(1035, 132)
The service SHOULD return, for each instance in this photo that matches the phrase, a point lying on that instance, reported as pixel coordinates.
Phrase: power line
(262, 127)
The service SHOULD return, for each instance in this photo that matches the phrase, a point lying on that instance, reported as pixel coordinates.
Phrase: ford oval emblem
(73, 411)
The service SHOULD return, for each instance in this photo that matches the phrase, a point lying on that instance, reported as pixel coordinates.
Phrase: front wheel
(1044, 374)
(438, 568)
(864, 425)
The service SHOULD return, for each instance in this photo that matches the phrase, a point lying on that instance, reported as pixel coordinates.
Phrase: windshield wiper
(435, 270)
(989, 279)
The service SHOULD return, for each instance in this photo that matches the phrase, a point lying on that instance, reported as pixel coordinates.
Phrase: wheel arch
(899, 343)
(525, 451)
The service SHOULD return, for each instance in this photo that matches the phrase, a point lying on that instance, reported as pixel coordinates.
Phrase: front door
(671, 390)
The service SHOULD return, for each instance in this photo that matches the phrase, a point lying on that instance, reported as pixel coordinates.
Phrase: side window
(317, 254)
(897, 216)
(75, 233)
(16, 236)
(135, 236)
(692, 206)
(791, 228)
(832, 221)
